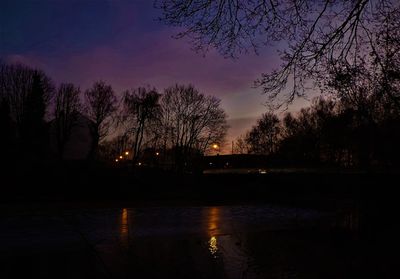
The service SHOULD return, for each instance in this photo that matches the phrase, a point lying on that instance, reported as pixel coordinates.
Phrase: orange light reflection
(213, 230)
(124, 226)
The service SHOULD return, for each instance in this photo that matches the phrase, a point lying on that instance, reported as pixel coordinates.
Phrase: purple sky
(122, 42)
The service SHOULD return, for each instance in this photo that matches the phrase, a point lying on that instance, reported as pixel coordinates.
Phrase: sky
(123, 43)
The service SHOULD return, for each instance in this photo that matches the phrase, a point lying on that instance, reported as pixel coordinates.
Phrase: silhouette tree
(27, 93)
(290, 147)
(303, 138)
(191, 122)
(7, 138)
(100, 104)
(140, 111)
(314, 36)
(33, 125)
(264, 137)
(241, 146)
(66, 110)
(369, 86)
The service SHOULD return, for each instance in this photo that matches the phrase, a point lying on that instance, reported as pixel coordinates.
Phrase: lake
(242, 241)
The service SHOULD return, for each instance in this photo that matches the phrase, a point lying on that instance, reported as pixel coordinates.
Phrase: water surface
(260, 241)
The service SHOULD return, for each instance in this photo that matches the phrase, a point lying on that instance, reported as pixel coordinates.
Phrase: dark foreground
(113, 224)
(261, 241)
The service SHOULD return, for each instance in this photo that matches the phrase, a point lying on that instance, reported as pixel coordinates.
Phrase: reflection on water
(185, 242)
(230, 258)
(213, 246)
(213, 219)
(124, 227)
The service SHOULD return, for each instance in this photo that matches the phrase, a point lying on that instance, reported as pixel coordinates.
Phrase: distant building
(79, 144)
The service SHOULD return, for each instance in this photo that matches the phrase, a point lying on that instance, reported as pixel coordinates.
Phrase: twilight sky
(123, 43)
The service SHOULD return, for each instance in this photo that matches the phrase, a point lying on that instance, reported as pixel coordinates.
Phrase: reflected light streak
(213, 220)
(213, 223)
(124, 227)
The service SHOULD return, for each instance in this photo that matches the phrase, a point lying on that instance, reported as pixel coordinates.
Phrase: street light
(120, 157)
(126, 153)
(215, 147)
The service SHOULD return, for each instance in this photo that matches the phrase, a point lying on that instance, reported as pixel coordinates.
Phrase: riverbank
(312, 187)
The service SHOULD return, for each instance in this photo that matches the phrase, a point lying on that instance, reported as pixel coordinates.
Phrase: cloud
(155, 59)
(159, 60)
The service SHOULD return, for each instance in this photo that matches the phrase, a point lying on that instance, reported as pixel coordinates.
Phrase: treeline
(174, 128)
(356, 124)
(41, 121)
(330, 132)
